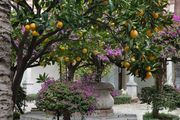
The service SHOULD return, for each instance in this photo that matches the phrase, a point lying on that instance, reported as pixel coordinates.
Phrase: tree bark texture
(6, 104)
(160, 79)
(66, 115)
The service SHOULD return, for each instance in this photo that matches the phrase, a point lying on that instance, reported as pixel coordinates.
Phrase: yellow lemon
(59, 24)
(155, 15)
(78, 58)
(35, 33)
(33, 26)
(148, 75)
(95, 52)
(133, 58)
(84, 51)
(148, 68)
(66, 59)
(27, 28)
(141, 13)
(62, 48)
(126, 64)
(126, 48)
(149, 33)
(134, 34)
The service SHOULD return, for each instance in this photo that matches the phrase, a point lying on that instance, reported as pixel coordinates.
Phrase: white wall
(112, 77)
(141, 84)
(30, 75)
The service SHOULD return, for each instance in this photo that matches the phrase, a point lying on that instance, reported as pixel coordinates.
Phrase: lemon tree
(82, 49)
(40, 27)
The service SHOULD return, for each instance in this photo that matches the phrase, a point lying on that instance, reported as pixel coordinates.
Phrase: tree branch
(54, 2)
(25, 5)
(21, 49)
(38, 7)
(46, 36)
(42, 51)
(14, 46)
(85, 65)
(13, 6)
(91, 8)
(34, 65)
(30, 50)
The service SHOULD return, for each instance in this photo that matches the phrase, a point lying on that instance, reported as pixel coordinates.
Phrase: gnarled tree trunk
(160, 79)
(6, 104)
(177, 7)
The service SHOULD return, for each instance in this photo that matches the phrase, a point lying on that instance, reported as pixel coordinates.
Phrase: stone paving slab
(42, 116)
(121, 110)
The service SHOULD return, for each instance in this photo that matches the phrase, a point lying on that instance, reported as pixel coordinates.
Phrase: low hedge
(16, 116)
(122, 99)
(162, 116)
(31, 97)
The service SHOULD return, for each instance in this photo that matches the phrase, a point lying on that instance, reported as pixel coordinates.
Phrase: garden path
(120, 112)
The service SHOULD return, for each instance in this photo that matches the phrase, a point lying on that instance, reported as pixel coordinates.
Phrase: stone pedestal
(104, 101)
(131, 87)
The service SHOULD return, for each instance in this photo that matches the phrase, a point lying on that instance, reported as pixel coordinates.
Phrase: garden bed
(122, 99)
(163, 116)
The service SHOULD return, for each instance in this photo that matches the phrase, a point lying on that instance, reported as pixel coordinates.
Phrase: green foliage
(122, 99)
(86, 24)
(31, 97)
(58, 97)
(16, 116)
(21, 96)
(163, 116)
(178, 104)
(42, 78)
(167, 98)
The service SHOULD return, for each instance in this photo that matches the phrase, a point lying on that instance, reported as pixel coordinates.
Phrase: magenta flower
(23, 29)
(176, 18)
(103, 58)
(113, 52)
(45, 85)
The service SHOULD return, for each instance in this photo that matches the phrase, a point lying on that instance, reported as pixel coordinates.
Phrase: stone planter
(104, 99)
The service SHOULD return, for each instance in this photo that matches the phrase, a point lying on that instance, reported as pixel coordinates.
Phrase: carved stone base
(103, 113)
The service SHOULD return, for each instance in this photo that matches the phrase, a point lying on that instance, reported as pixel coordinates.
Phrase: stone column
(131, 87)
(170, 78)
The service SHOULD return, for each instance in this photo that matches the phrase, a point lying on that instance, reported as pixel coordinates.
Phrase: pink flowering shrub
(115, 93)
(58, 96)
(169, 40)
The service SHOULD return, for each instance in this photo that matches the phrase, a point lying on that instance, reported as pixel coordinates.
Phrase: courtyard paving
(132, 111)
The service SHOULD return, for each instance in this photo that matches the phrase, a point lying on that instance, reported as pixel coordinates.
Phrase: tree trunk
(160, 78)
(177, 7)
(71, 72)
(17, 81)
(6, 109)
(66, 115)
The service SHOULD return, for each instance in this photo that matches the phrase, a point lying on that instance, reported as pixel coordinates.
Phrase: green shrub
(122, 99)
(178, 102)
(162, 116)
(168, 98)
(31, 97)
(16, 116)
(65, 98)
